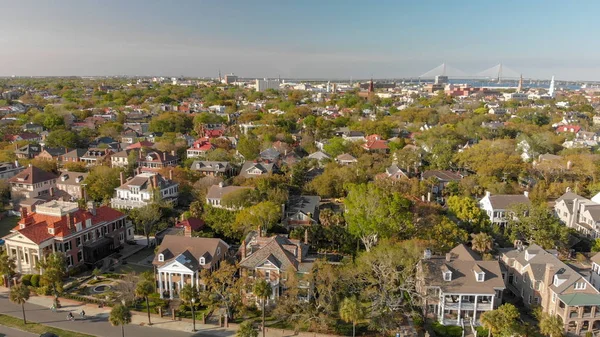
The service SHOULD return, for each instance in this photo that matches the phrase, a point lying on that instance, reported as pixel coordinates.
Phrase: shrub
(43, 290)
(26, 279)
(35, 280)
(447, 330)
(481, 331)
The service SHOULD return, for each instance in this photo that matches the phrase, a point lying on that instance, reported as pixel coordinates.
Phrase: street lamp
(193, 315)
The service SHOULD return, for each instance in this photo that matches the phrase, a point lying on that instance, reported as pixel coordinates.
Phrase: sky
(329, 39)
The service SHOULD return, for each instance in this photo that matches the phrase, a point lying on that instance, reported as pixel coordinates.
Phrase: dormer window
(218, 251)
(21, 226)
(202, 261)
(480, 276)
(161, 258)
(580, 285)
(51, 231)
(448, 276)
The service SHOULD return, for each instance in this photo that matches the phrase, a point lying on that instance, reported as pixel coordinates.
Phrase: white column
(170, 286)
(198, 279)
(165, 281)
(19, 260)
(160, 284)
(475, 309)
(459, 305)
(181, 276)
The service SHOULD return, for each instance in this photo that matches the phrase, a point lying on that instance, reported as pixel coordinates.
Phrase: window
(69, 260)
(537, 300)
(580, 285)
(448, 276)
(161, 258)
(51, 231)
(202, 261)
(67, 246)
(480, 277)
(78, 242)
(553, 297)
(529, 299)
(267, 275)
(79, 256)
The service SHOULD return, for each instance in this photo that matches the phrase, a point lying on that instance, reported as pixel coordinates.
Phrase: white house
(580, 213)
(141, 190)
(497, 206)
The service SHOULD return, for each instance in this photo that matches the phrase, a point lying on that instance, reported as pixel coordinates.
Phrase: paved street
(97, 325)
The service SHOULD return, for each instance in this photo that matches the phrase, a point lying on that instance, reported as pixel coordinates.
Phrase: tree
(120, 315)
(19, 295)
(262, 289)
(101, 183)
(595, 247)
(249, 147)
(467, 210)
(336, 146)
(372, 212)
(145, 218)
(536, 223)
(264, 214)
(246, 330)
(501, 322)
(223, 288)
(7, 266)
(352, 311)
(53, 272)
(188, 293)
(482, 242)
(62, 138)
(143, 289)
(446, 234)
(551, 325)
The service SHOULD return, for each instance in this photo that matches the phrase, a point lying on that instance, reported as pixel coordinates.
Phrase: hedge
(446, 330)
(35, 280)
(26, 279)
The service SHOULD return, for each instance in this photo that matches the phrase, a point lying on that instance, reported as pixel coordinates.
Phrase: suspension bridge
(497, 72)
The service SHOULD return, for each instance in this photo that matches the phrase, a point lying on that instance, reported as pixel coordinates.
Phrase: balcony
(121, 203)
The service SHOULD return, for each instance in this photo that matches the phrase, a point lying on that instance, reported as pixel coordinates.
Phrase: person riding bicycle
(82, 313)
(70, 316)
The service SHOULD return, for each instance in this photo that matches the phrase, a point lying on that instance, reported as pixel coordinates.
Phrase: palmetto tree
(120, 315)
(143, 289)
(7, 266)
(552, 325)
(352, 311)
(482, 243)
(19, 295)
(262, 289)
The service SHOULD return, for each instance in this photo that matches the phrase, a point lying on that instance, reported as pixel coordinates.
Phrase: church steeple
(520, 86)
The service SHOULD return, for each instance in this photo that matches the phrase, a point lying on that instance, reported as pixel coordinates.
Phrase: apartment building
(580, 213)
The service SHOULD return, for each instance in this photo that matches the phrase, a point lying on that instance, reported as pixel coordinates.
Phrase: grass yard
(124, 269)
(37, 328)
(7, 224)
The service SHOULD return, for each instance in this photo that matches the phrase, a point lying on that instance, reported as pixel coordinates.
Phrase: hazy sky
(321, 38)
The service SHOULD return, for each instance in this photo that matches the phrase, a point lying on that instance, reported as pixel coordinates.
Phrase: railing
(127, 203)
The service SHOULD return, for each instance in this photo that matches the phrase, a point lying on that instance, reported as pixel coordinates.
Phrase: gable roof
(442, 175)
(32, 175)
(272, 249)
(174, 247)
(505, 201)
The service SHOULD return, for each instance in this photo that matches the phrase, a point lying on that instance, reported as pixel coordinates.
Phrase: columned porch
(170, 283)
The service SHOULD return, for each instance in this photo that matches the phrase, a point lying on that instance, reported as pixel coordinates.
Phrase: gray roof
(278, 249)
(187, 250)
(142, 181)
(505, 201)
(319, 155)
(211, 166)
(262, 166)
(71, 178)
(303, 203)
(270, 153)
(218, 191)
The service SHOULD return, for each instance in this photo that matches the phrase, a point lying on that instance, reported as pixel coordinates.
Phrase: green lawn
(37, 328)
(7, 224)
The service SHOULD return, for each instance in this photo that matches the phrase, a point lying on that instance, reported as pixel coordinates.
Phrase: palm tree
(482, 242)
(143, 289)
(352, 311)
(551, 325)
(19, 295)
(120, 315)
(246, 330)
(262, 289)
(7, 266)
(490, 321)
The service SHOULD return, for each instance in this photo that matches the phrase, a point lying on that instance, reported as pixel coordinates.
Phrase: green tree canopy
(19, 294)
(264, 215)
(101, 183)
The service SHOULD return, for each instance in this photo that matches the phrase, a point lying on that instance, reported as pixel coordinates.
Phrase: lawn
(124, 269)
(7, 224)
(37, 328)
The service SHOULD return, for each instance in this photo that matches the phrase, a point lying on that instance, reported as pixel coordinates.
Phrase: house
(320, 156)
(460, 286)
(270, 258)
(74, 155)
(301, 210)
(121, 158)
(129, 136)
(200, 148)
(53, 153)
(139, 145)
(152, 160)
(96, 156)
(595, 272)
(181, 259)
(580, 213)
(28, 151)
(213, 168)
(497, 206)
(216, 193)
(32, 182)
(106, 142)
(345, 159)
(181, 228)
(442, 179)
(568, 128)
(497, 111)
(32, 128)
(85, 235)
(144, 189)
(393, 172)
(541, 279)
(270, 154)
(9, 170)
(252, 169)
(24, 136)
(72, 183)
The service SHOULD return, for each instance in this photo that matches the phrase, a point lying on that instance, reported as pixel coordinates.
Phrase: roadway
(97, 325)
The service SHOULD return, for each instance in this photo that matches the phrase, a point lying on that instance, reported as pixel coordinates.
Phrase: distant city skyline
(308, 39)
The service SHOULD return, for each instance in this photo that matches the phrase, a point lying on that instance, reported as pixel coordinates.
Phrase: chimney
(91, 207)
(52, 191)
(282, 211)
(155, 179)
(23, 212)
(140, 154)
(243, 249)
(300, 252)
(173, 153)
(306, 236)
(66, 150)
(171, 174)
(69, 221)
(526, 194)
(448, 257)
(549, 275)
(187, 231)
(164, 156)
(122, 177)
(487, 194)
